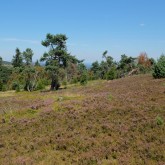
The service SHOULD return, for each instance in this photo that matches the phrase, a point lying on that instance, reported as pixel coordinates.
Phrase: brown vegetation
(105, 122)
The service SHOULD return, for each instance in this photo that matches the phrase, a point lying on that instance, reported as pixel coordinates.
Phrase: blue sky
(92, 26)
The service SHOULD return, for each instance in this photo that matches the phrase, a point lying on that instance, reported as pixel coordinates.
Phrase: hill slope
(106, 122)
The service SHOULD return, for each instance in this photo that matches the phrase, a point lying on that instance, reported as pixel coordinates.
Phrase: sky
(92, 26)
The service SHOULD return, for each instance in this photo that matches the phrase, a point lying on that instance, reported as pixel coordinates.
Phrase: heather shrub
(159, 68)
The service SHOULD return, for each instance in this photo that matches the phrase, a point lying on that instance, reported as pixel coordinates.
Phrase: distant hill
(88, 65)
(7, 63)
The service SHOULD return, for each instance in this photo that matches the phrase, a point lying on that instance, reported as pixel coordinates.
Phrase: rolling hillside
(117, 122)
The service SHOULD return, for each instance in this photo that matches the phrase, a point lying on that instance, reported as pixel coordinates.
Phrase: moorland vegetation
(61, 112)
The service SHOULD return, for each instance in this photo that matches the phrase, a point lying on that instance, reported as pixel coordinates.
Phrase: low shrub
(159, 120)
(159, 68)
(83, 79)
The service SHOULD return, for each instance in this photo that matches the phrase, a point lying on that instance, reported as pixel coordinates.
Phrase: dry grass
(106, 122)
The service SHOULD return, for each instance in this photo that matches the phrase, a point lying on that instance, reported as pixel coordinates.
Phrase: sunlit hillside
(116, 122)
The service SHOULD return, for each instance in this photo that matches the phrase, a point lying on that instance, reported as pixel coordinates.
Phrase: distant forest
(62, 68)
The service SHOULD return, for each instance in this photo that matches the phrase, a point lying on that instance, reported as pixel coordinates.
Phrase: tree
(144, 63)
(56, 58)
(37, 63)
(159, 68)
(104, 54)
(17, 59)
(5, 73)
(144, 60)
(27, 55)
(29, 71)
(29, 81)
(106, 65)
(95, 68)
(1, 61)
(126, 63)
(111, 74)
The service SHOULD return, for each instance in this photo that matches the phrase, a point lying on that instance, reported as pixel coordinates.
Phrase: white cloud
(21, 40)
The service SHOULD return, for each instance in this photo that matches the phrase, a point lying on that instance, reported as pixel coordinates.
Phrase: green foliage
(37, 63)
(1, 61)
(74, 80)
(96, 70)
(5, 73)
(159, 68)
(17, 60)
(4, 88)
(64, 83)
(159, 120)
(56, 58)
(126, 63)
(111, 74)
(29, 78)
(18, 88)
(27, 55)
(84, 78)
(15, 85)
(144, 69)
(40, 85)
(1, 85)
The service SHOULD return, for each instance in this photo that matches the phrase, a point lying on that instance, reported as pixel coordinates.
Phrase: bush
(159, 68)
(74, 80)
(159, 120)
(111, 74)
(1, 85)
(40, 85)
(143, 69)
(17, 89)
(15, 85)
(83, 79)
(4, 88)
(64, 83)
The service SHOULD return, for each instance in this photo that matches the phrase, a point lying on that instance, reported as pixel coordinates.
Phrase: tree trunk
(54, 84)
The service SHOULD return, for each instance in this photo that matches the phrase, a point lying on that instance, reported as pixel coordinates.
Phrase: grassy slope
(106, 122)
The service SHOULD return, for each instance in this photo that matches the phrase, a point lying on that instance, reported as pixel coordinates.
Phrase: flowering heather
(116, 122)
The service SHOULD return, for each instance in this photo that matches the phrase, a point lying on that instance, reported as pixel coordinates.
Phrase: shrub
(4, 88)
(15, 85)
(143, 69)
(74, 80)
(159, 120)
(1, 85)
(40, 85)
(83, 79)
(159, 68)
(18, 89)
(111, 74)
(64, 83)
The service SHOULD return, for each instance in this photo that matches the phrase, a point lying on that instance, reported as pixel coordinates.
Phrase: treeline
(60, 67)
